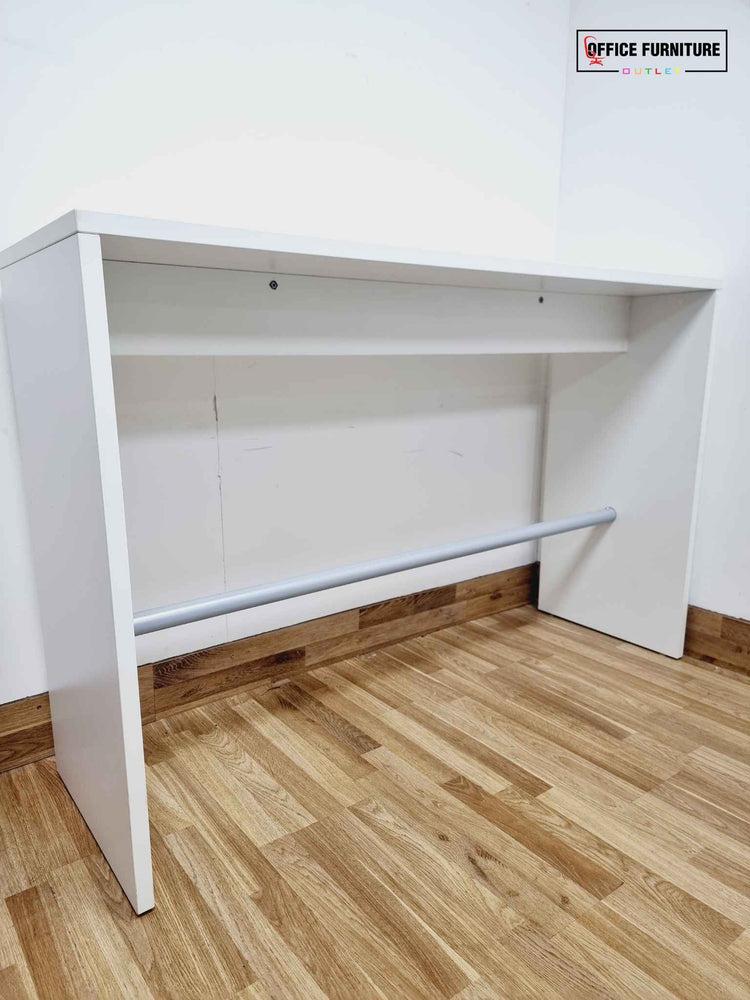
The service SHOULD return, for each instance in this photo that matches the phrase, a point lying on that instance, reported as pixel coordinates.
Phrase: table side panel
(626, 431)
(59, 350)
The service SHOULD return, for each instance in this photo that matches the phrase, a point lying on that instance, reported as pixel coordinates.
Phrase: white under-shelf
(157, 309)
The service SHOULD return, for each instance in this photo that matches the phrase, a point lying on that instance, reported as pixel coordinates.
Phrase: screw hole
(273, 284)
(541, 298)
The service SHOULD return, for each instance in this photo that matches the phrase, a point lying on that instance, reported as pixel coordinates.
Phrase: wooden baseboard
(25, 731)
(182, 682)
(718, 639)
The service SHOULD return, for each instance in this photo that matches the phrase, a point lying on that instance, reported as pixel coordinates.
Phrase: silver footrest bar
(312, 583)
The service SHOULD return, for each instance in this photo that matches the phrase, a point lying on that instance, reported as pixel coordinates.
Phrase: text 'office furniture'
(626, 391)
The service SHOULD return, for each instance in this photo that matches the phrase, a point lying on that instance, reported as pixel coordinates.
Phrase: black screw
(541, 298)
(273, 284)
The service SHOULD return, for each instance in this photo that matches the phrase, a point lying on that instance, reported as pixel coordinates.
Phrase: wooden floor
(514, 807)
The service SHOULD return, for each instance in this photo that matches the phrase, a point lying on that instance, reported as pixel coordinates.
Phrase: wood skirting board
(182, 682)
(719, 639)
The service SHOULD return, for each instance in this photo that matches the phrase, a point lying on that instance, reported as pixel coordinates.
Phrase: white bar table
(624, 425)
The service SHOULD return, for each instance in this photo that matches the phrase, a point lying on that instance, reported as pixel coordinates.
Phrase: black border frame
(654, 31)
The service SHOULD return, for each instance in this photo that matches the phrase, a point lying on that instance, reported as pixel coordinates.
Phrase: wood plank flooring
(513, 807)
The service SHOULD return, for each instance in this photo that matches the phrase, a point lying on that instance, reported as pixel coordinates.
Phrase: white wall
(417, 123)
(385, 121)
(241, 471)
(656, 174)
